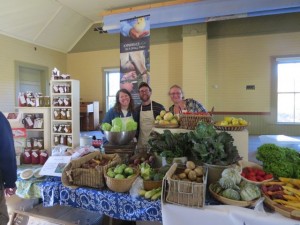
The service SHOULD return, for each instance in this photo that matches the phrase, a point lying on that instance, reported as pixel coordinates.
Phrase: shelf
(39, 130)
(72, 111)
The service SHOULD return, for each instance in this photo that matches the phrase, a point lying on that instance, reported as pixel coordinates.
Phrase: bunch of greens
(170, 145)
(212, 147)
(280, 161)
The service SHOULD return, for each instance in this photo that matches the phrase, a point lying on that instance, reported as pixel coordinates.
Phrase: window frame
(275, 60)
(106, 73)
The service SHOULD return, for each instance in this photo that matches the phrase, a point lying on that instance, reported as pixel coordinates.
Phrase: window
(112, 78)
(288, 90)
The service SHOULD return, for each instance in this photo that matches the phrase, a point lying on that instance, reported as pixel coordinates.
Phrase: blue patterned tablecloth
(117, 205)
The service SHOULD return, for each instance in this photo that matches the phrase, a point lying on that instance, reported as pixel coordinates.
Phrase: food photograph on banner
(134, 54)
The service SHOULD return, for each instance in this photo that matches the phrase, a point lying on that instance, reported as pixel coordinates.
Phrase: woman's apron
(146, 125)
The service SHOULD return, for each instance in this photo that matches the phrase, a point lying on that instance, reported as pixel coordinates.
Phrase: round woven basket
(120, 185)
(190, 121)
(151, 184)
(230, 127)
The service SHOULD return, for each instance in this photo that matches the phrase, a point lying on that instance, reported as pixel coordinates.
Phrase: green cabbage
(117, 122)
(106, 126)
(115, 128)
(131, 125)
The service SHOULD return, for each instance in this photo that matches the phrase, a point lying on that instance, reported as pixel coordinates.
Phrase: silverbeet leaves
(203, 145)
(212, 147)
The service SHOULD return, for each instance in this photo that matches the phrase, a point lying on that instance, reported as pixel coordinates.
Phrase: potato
(190, 165)
(186, 171)
(192, 175)
(175, 177)
(199, 171)
(199, 179)
(182, 176)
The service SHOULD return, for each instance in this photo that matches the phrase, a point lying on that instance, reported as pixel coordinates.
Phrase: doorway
(30, 77)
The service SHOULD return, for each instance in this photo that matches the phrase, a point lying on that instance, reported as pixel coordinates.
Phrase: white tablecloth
(221, 215)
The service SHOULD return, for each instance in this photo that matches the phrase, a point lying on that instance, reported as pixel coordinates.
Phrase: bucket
(86, 141)
(214, 172)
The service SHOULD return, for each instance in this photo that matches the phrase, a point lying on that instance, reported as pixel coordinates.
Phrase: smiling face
(124, 100)
(144, 94)
(176, 95)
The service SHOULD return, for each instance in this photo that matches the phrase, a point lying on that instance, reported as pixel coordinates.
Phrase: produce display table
(116, 205)
(28, 189)
(220, 214)
(241, 138)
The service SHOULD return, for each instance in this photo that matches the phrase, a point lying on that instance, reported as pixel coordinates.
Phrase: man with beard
(147, 112)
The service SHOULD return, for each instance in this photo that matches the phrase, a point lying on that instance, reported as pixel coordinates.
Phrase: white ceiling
(60, 24)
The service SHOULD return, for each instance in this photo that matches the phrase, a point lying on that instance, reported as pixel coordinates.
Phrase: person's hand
(134, 34)
(129, 76)
(9, 191)
(127, 85)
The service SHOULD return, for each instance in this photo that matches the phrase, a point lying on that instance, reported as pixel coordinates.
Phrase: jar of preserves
(47, 101)
(67, 102)
(63, 114)
(28, 121)
(28, 144)
(55, 88)
(56, 139)
(40, 143)
(57, 114)
(27, 156)
(55, 128)
(61, 128)
(22, 99)
(43, 156)
(40, 101)
(35, 156)
(68, 128)
(68, 88)
(61, 89)
(69, 114)
(35, 143)
(69, 141)
(60, 102)
(63, 140)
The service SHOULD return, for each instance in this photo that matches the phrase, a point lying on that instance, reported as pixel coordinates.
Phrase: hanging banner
(134, 54)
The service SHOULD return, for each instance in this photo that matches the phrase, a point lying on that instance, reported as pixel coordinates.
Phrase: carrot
(293, 190)
(273, 183)
(290, 197)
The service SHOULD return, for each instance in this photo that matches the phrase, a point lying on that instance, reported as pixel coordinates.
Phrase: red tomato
(268, 176)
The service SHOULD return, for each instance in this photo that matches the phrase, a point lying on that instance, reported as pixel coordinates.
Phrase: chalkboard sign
(25, 218)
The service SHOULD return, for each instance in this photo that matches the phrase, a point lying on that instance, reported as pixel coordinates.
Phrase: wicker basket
(74, 176)
(190, 121)
(228, 201)
(230, 127)
(120, 185)
(184, 193)
(151, 184)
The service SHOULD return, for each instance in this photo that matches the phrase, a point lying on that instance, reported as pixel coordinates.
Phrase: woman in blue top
(123, 108)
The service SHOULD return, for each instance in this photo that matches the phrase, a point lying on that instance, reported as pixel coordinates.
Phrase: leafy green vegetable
(106, 126)
(280, 161)
(117, 122)
(131, 125)
(249, 192)
(212, 147)
(170, 145)
(115, 128)
(231, 194)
